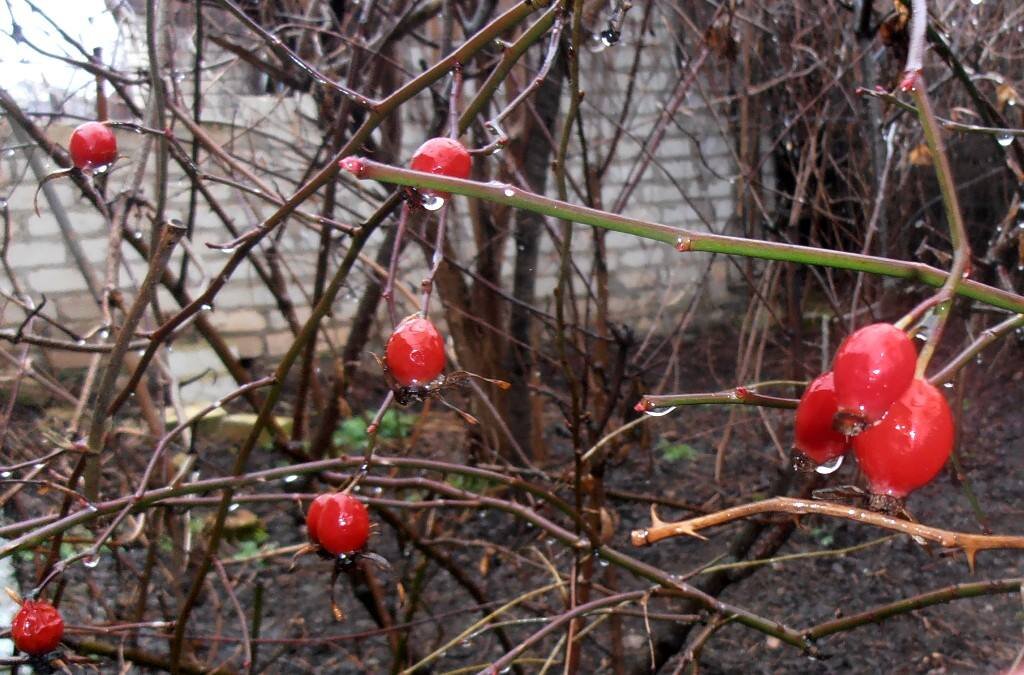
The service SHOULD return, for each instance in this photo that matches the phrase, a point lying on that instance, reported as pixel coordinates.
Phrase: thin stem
(957, 232)
(878, 614)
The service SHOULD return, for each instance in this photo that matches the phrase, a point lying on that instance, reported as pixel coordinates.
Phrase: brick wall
(688, 186)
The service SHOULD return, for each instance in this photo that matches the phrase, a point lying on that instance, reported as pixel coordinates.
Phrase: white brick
(55, 280)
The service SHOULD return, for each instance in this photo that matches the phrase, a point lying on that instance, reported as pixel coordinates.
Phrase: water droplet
(830, 466)
(291, 478)
(91, 561)
(218, 403)
(206, 308)
(432, 202)
(377, 490)
(234, 506)
(80, 341)
(508, 192)
(976, 2)
(38, 465)
(1004, 140)
(228, 250)
(947, 385)
(659, 412)
(6, 474)
(137, 235)
(596, 44)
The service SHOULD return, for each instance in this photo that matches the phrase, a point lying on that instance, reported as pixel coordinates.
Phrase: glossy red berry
(415, 352)
(339, 523)
(910, 445)
(815, 436)
(443, 156)
(872, 367)
(37, 628)
(92, 145)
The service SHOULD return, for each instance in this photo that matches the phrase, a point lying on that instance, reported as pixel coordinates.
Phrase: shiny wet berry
(37, 628)
(910, 445)
(338, 523)
(815, 436)
(414, 355)
(872, 368)
(92, 146)
(442, 156)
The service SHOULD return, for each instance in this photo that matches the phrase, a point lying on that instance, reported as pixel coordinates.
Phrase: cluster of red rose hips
(900, 426)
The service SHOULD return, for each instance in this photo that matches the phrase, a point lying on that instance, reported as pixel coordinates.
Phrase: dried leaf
(921, 156)
(1006, 95)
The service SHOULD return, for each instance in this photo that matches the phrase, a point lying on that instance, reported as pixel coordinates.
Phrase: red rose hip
(92, 145)
(442, 156)
(872, 368)
(37, 628)
(415, 352)
(815, 436)
(339, 523)
(910, 445)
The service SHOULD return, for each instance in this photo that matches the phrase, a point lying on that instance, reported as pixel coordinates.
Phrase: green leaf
(675, 452)
(351, 433)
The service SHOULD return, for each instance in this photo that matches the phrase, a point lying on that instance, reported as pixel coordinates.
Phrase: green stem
(737, 396)
(957, 232)
(942, 595)
(685, 240)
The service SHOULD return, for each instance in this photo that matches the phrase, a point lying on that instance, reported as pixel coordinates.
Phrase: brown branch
(970, 543)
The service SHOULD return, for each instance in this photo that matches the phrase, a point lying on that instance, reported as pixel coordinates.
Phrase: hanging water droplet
(432, 202)
(830, 466)
(947, 385)
(508, 192)
(6, 474)
(1004, 140)
(206, 308)
(291, 478)
(91, 561)
(610, 36)
(596, 44)
(234, 506)
(659, 412)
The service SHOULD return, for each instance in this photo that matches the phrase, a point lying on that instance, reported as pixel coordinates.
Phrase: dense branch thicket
(685, 205)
